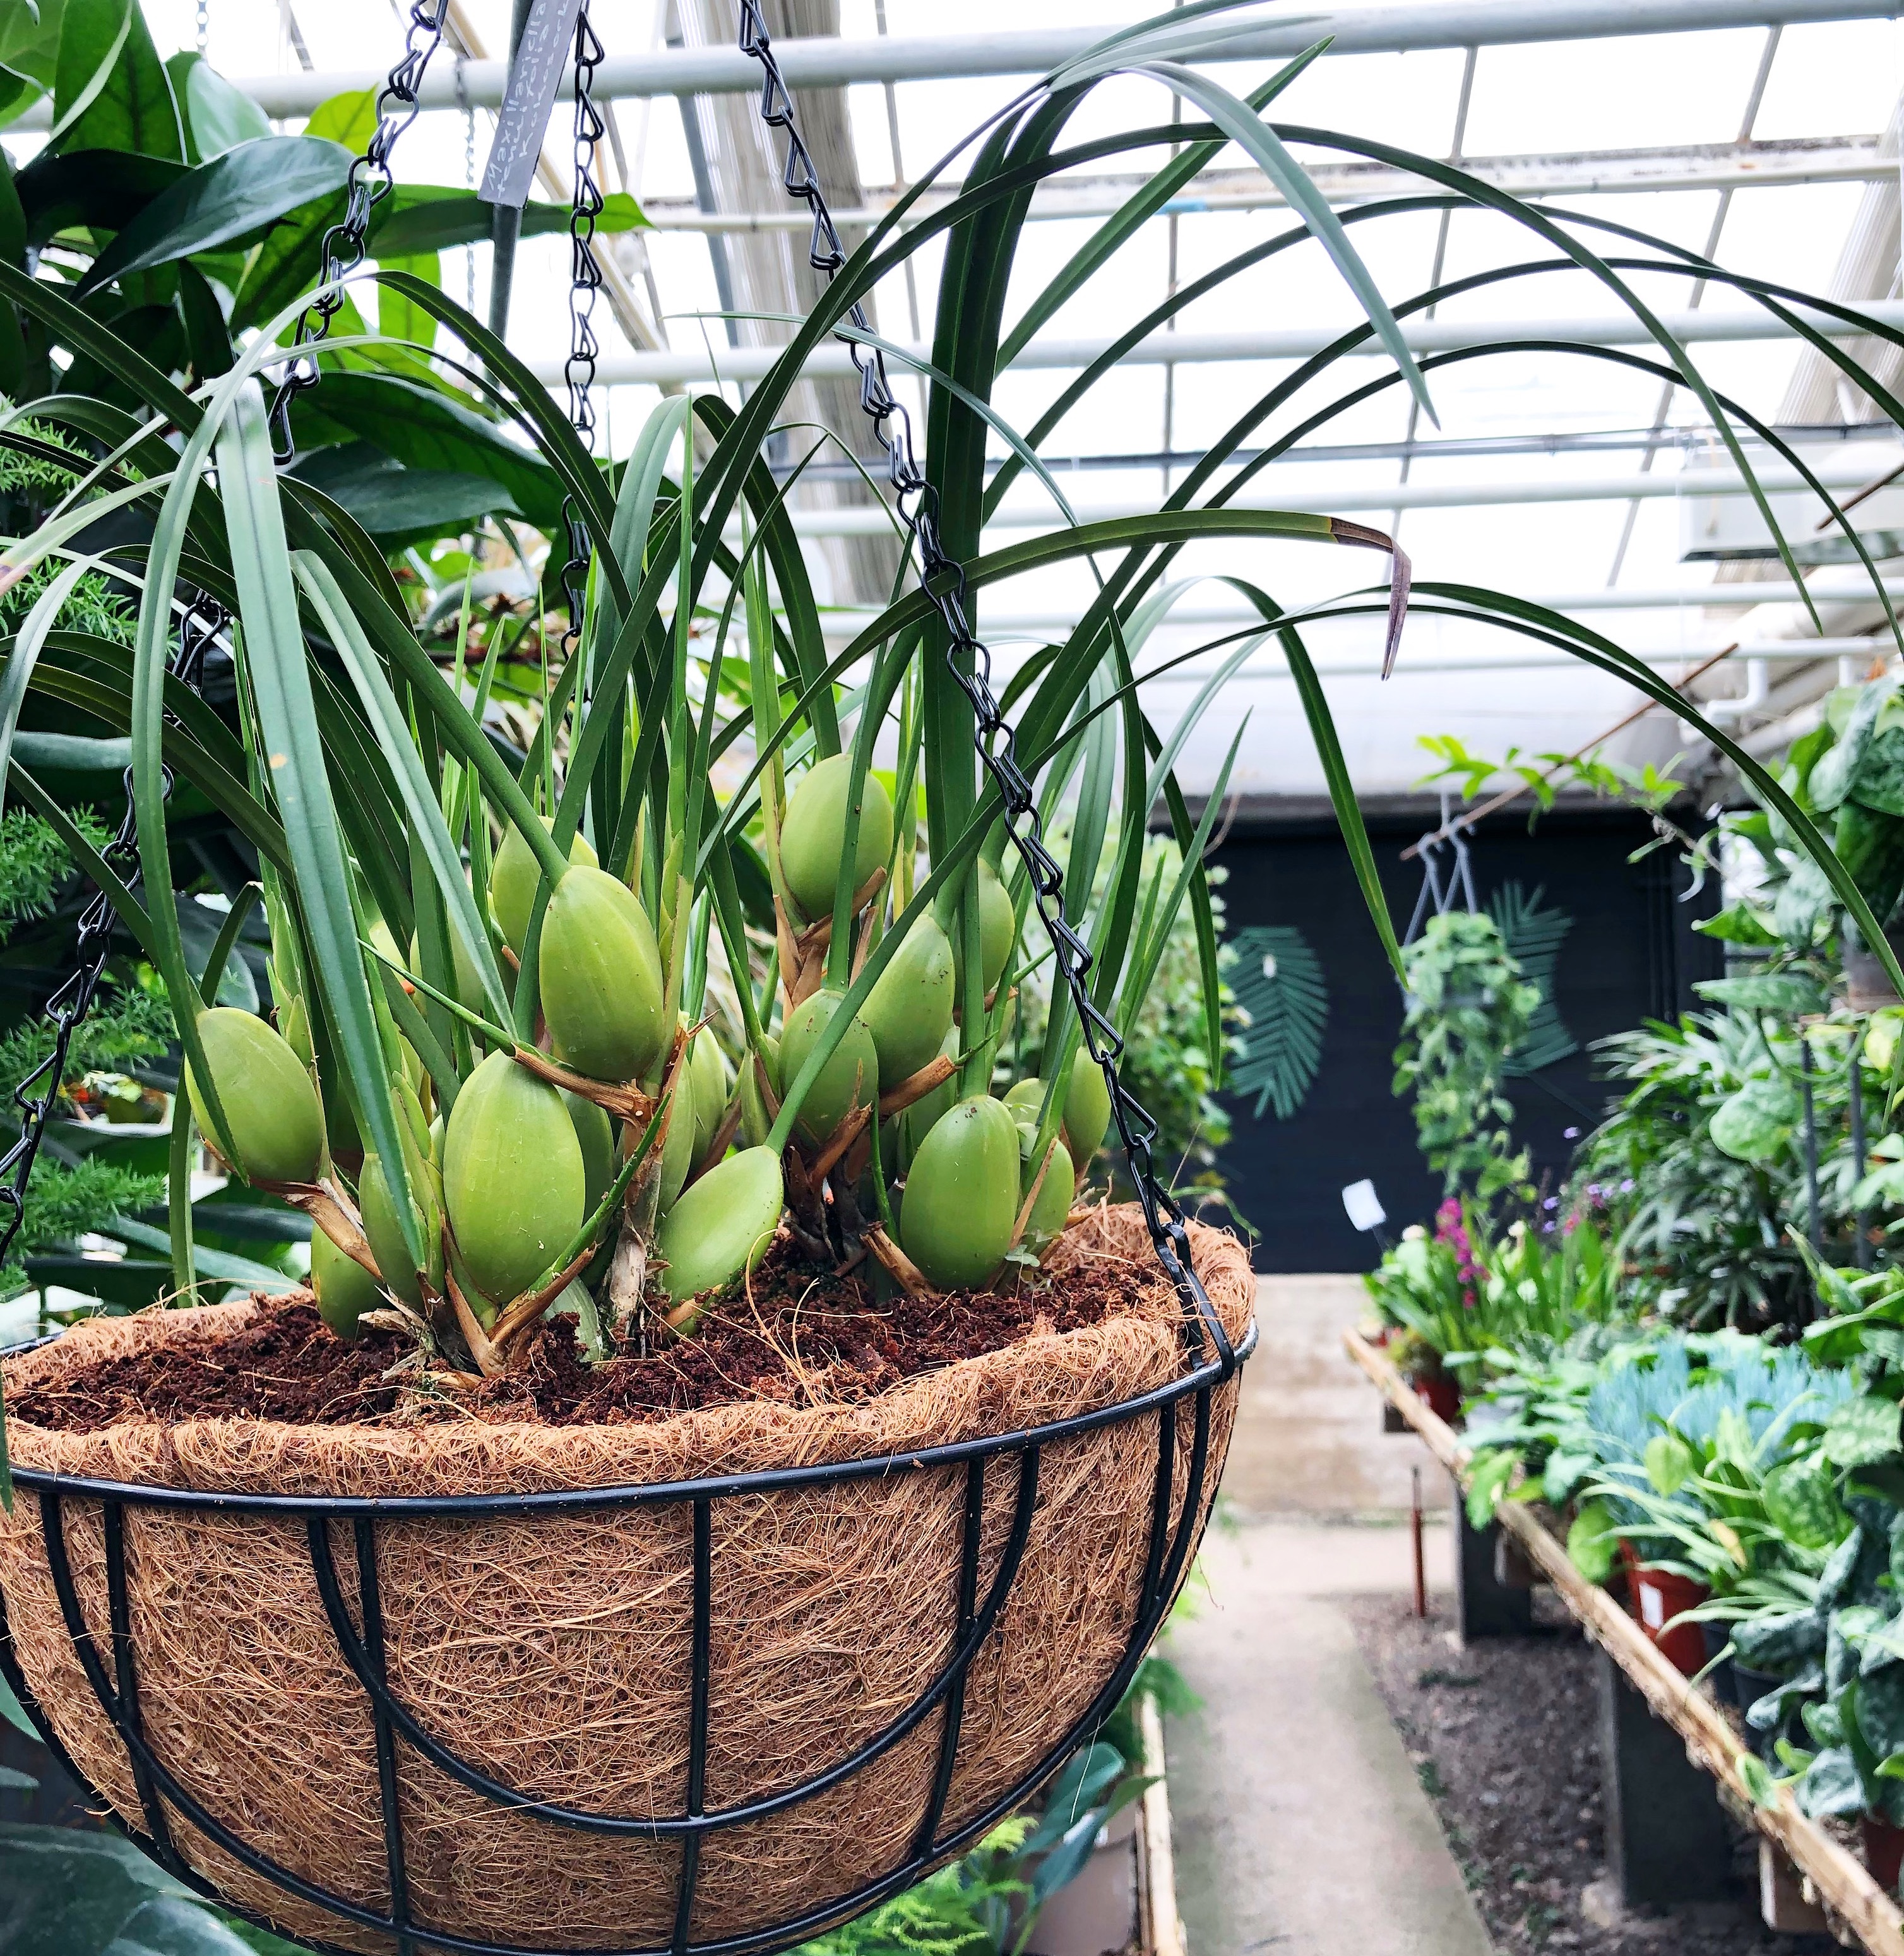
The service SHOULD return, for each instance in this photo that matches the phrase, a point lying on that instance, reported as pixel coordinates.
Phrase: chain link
(369, 183)
(584, 281)
(943, 579)
(38, 1093)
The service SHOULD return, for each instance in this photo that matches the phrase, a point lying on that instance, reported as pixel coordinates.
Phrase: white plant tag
(1652, 1608)
(547, 46)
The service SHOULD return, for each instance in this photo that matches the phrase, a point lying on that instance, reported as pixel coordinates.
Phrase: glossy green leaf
(423, 428)
(219, 114)
(429, 218)
(110, 90)
(235, 194)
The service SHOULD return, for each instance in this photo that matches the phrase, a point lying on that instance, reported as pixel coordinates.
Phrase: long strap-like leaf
(295, 759)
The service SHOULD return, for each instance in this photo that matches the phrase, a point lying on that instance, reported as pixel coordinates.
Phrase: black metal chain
(943, 579)
(37, 1094)
(369, 183)
(584, 281)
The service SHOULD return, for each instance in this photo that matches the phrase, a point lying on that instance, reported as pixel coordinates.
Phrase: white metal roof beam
(684, 365)
(1589, 173)
(1389, 28)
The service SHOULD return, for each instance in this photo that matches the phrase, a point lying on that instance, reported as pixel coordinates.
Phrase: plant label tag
(547, 44)
(1652, 1608)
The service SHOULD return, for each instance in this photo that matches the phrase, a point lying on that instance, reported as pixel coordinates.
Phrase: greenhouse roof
(1766, 134)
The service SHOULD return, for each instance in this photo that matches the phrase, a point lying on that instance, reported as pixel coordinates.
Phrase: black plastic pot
(1722, 1679)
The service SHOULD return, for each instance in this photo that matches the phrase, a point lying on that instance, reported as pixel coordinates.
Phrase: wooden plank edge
(1162, 1932)
(1842, 1880)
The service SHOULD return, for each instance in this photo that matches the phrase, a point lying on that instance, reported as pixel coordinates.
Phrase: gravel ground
(1503, 1735)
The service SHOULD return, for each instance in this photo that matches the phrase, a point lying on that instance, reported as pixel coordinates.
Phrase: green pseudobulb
(386, 1235)
(513, 1181)
(962, 1195)
(997, 924)
(755, 1122)
(678, 1156)
(723, 1225)
(345, 1289)
(850, 1078)
(813, 837)
(275, 1125)
(595, 1135)
(600, 969)
(513, 878)
(909, 1010)
(1052, 1209)
(916, 1121)
(712, 1088)
(1087, 1111)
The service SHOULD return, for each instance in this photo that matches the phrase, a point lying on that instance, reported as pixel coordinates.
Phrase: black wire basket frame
(112, 1675)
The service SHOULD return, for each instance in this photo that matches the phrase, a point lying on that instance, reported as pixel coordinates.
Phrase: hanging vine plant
(516, 1634)
(1469, 1007)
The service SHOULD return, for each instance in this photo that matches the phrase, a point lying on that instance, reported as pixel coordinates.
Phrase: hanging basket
(705, 1684)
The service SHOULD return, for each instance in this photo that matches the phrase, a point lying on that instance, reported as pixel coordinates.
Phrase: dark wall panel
(1629, 953)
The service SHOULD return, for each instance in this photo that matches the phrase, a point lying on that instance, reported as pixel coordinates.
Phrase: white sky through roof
(1829, 81)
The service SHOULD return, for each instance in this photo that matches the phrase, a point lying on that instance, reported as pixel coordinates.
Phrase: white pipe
(1732, 166)
(685, 365)
(1851, 472)
(1758, 689)
(818, 63)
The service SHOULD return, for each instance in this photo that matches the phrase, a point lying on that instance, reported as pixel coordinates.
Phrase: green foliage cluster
(1168, 1064)
(1699, 1170)
(1771, 1478)
(1468, 1007)
(1473, 1306)
(68, 1197)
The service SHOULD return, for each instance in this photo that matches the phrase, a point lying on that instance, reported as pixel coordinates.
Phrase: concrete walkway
(1300, 1825)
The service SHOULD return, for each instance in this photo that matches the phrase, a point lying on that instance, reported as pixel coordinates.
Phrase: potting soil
(796, 1336)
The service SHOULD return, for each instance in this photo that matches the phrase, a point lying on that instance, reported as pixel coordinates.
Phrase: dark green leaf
(97, 190)
(399, 505)
(110, 91)
(424, 218)
(285, 264)
(239, 192)
(423, 428)
(63, 1893)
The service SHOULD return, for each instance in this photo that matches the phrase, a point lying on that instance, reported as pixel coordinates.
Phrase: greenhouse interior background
(1289, 1340)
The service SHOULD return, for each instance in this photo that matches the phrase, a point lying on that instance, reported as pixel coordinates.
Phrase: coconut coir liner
(796, 1336)
(553, 1651)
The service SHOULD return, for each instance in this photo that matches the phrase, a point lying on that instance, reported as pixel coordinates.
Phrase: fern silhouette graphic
(1278, 980)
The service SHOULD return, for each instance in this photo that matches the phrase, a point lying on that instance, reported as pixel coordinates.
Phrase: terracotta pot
(1441, 1396)
(1658, 1596)
(1883, 1850)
